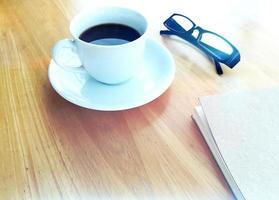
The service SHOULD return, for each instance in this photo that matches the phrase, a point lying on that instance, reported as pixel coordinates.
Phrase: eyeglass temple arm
(165, 32)
(218, 67)
(182, 36)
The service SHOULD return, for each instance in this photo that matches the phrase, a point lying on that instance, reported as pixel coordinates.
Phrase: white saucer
(154, 77)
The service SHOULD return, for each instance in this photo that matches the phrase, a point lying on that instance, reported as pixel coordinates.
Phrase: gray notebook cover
(244, 129)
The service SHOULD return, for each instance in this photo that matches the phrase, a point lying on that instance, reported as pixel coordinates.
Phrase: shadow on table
(62, 113)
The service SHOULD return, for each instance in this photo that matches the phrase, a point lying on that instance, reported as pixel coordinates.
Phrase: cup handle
(64, 54)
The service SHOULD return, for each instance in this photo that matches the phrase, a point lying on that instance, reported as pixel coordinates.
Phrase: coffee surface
(109, 34)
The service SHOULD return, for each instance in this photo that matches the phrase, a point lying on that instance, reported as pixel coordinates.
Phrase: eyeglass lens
(216, 42)
(185, 24)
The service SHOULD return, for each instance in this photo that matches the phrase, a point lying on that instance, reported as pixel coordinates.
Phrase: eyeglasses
(212, 44)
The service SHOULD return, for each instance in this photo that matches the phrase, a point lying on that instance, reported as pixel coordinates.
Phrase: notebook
(242, 132)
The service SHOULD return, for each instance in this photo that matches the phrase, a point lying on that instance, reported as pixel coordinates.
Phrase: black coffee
(109, 34)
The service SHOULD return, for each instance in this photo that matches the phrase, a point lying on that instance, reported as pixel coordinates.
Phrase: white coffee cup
(110, 64)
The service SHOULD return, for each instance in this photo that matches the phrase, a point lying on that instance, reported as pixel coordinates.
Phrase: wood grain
(52, 149)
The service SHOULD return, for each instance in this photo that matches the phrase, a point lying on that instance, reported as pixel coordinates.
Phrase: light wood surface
(52, 149)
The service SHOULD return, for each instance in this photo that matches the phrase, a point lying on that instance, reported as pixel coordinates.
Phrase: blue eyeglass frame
(218, 56)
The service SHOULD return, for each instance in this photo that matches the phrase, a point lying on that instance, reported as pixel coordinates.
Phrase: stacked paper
(242, 132)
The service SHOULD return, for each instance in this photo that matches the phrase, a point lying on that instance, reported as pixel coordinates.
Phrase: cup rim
(107, 7)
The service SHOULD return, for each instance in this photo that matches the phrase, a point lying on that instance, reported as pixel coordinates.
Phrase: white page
(245, 127)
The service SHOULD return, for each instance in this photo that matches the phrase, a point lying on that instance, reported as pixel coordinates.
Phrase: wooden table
(52, 149)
